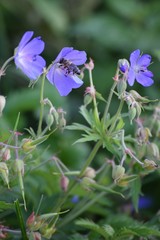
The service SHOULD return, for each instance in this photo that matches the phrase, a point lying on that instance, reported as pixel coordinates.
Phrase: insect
(69, 67)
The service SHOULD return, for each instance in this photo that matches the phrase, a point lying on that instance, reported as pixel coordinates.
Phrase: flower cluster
(64, 72)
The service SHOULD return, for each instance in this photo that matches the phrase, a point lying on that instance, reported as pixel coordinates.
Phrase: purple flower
(138, 69)
(27, 56)
(63, 72)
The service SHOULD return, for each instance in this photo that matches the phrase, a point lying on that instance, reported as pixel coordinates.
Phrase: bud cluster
(54, 115)
(38, 227)
(134, 102)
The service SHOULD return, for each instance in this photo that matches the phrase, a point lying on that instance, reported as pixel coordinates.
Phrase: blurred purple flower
(145, 202)
(27, 56)
(138, 69)
(75, 199)
(63, 72)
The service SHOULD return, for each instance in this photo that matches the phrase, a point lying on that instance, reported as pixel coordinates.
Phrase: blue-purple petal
(77, 57)
(148, 73)
(27, 56)
(64, 83)
(144, 60)
(63, 53)
(35, 46)
(134, 57)
(131, 76)
(50, 74)
(25, 39)
(144, 80)
(33, 69)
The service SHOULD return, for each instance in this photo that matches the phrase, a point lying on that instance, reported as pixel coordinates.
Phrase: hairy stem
(42, 106)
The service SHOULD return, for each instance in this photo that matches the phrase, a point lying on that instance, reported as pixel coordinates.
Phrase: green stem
(116, 117)
(6, 63)
(88, 162)
(90, 158)
(42, 106)
(94, 97)
(109, 102)
(21, 220)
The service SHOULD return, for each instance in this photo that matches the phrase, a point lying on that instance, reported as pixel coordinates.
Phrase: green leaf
(105, 189)
(87, 115)
(135, 192)
(104, 231)
(5, 206)
(87, 138)
(120, 124)
(20, 218)
(141, 231)
(99, 96)
(80, 127)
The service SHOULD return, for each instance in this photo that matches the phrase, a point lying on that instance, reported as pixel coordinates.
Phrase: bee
(69, 67)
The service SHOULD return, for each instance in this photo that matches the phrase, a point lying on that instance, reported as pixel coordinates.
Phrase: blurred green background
(106, 29)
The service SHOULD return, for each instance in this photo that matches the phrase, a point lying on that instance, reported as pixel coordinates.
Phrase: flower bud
(87, 183)
(5, 154)
(47, 232)
(132, 114)
(150, 164)
(49, 120)
(121, 87)
(118, 172)
(87, 99)
(90, 65)
(64, 182)
(123, 65)
(143, 135)
(30, 220)
(62, 122)
(4, 173)
(27, 145)
(153, 149)
(35, 236)
(90, 172)
(2, 103)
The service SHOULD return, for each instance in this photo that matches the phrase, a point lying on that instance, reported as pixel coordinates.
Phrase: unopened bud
(62, 122)
(132, 114)
(150, 164)
(87, 183)
(121, 86)
(118, 172)
(49, 120)
(90, 65)
(6, 154)
(87, 99)
(4, 173)
(30, 220)
(64, 182)
(20, 166)
(35, 236)
(2, 103)
(90, 172)
(154, 150)
(47, 232)
(143, 135)
(123, 65)
(27, 145)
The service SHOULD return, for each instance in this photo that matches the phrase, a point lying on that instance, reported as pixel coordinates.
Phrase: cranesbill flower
(27, 56)
(63, 72)
(138, 69)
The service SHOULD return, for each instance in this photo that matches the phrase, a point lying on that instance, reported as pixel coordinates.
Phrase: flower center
(68, 67)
